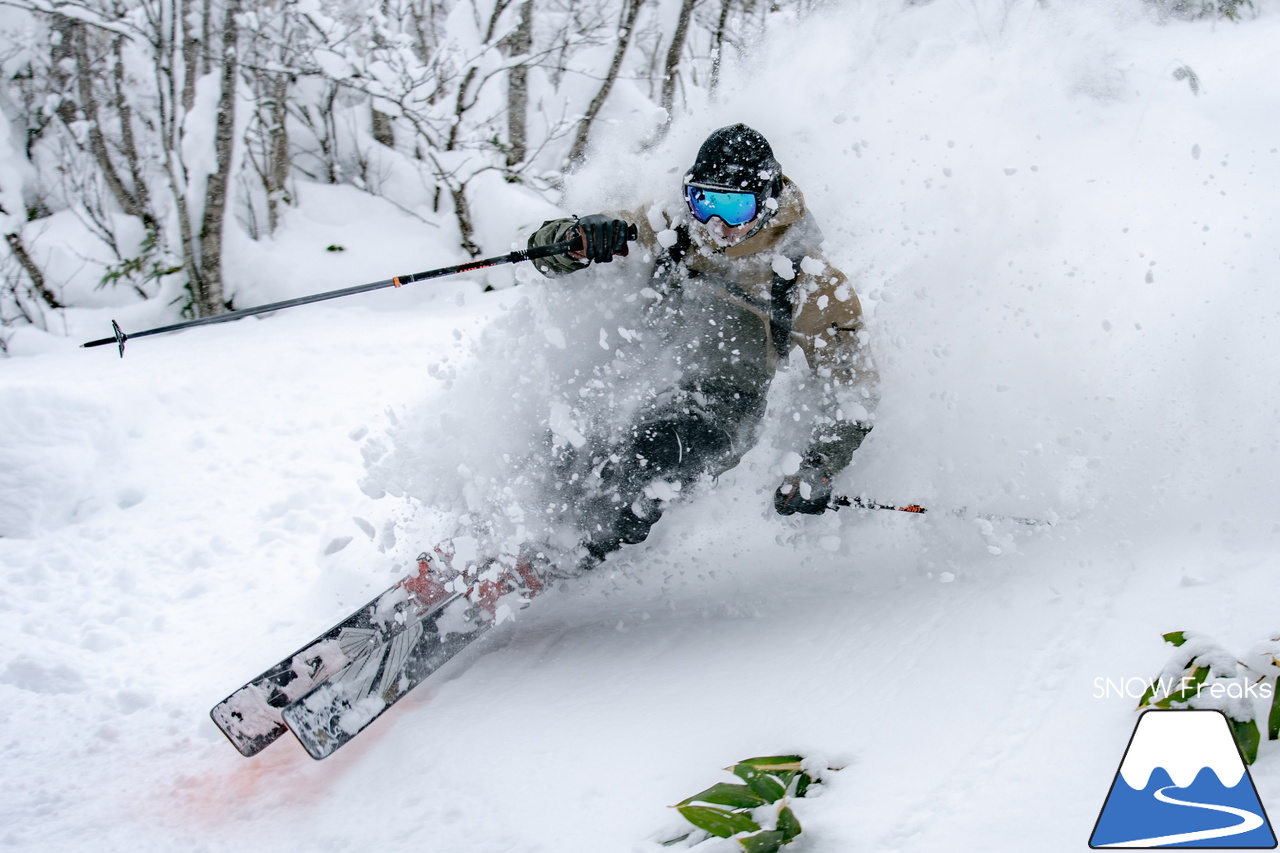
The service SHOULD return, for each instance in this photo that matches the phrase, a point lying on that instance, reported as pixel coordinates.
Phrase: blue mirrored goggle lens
(734, 208)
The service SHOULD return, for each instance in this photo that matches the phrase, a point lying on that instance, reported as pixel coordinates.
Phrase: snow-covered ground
(1071, 267)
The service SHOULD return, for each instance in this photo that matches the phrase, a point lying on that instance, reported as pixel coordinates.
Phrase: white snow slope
(1071, 266)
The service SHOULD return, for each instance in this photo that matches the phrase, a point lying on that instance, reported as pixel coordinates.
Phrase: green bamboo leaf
(788, 824)
(804, 780)
(774, 763)
(761, 783)
(1246, 732)
(1273, 721)
(726, 794)
(718, 822)
(1177, 638)
(765, 841)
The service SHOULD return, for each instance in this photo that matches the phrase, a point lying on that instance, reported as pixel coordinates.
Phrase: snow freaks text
(1184, 688)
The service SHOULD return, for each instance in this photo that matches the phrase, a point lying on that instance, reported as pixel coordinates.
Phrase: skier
(740, 278)
(734, 279)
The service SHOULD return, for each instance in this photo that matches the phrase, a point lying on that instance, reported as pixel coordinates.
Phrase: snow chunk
(554, 336)
(812, 266)
(563, 426)
(668, 238)
(790, 463)
(783, 267)
(657, 221)
(663, 490)
(361, 714)
(465, 550)
(337, 544)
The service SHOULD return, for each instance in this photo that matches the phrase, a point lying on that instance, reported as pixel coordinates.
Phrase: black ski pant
(674, 448)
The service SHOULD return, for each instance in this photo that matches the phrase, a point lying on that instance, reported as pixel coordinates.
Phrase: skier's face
(727, 214)
(728, 235)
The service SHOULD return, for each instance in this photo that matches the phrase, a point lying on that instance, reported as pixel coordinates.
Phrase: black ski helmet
(737, 159)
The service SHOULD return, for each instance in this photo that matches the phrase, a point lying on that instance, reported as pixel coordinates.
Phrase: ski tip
(232, 724)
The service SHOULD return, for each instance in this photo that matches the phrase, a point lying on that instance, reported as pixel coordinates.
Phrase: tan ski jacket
(769, 293)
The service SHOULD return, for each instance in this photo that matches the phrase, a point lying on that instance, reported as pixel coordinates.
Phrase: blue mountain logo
(1182, 783)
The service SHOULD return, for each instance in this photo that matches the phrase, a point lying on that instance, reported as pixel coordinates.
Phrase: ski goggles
(734, 208)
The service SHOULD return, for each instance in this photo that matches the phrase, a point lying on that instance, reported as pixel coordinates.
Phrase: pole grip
(575, 242)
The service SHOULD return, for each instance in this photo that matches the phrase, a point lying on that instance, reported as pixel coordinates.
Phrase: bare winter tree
(135, 111)
(717, 45)
(94, 44)
(627, 26)
(38, 285)
(517, 46)
(276, 50)
(81, 47)
(671, 68)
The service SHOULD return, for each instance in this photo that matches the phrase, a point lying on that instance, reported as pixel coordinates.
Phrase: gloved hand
(807, 491)
(598, 238)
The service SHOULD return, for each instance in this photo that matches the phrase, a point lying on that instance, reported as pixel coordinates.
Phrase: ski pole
(119, 337)
(863, 503)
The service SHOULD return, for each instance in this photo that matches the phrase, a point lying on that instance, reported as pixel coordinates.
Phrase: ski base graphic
(329, 691)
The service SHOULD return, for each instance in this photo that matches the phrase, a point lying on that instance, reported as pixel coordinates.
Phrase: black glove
(601, 237)
(807, 491)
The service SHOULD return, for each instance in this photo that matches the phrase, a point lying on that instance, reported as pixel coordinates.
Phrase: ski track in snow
(1073, 314)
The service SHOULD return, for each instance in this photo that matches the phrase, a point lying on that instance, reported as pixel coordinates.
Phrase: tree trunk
(277, 165)
(518, 44)
(209, 298)
(717, 46)
(128, 145)
(672, 66)
(33, 272)
(206, 52)
(89, 108)
(383, 131)
(462, 211)
(191, 44)
(579, 150)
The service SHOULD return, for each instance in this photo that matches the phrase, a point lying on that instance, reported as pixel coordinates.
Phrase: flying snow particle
(562, 425)
(783, 267)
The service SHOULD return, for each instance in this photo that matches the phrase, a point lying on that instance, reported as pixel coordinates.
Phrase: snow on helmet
(737, 159)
